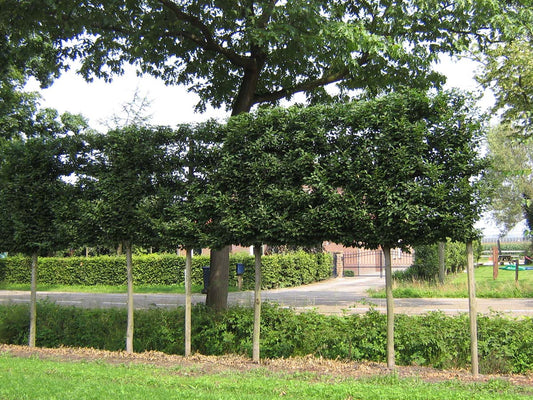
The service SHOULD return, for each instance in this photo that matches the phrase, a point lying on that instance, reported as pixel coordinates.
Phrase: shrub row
(426, 264)
(166, 269)
(505, 345)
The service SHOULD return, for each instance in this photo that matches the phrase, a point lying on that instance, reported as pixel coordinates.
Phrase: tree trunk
(129, 273)
(188, 263)
(442, 262)
(33, 301)
(390, 308)
(257, 304)
(472, 308)
(217, 291)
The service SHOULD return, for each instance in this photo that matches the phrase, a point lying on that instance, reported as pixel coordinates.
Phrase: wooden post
(516, 273)
(495, 269)
(472, 307)
(390, 308)
(188, 305)
(442, 262)
(129, 273)
(257, 305)
(33, 301)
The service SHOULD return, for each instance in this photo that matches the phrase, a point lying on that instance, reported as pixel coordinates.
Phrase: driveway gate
(372, 262)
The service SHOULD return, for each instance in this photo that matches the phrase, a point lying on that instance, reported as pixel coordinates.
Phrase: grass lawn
(456, 286)
(43, 287)
(32, 378)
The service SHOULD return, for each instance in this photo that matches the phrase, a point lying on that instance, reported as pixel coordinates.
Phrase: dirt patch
(200, 364)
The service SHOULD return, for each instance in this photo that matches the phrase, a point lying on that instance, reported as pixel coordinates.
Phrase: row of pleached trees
(396, 171)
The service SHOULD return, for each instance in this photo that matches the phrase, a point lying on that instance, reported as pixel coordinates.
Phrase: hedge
(434, 339)
(286, 270)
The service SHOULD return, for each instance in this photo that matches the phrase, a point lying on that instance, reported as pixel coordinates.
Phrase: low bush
(434, 339)
(426, 264)
(166, 269)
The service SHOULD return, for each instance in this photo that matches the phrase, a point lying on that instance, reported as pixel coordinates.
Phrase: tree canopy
(265, 176)
(240, 53)
(121, 174)
(399, 170)
(509, 175)
(508, 69)
(415, 169)
(34, 192)
(237, 54)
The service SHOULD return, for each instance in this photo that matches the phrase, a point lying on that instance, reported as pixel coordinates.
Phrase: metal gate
(372, 262)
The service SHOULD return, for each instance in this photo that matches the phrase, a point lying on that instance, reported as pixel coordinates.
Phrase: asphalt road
(334, 296)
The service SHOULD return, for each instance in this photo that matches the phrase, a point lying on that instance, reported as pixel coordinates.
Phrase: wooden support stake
(495, 263)
(472, 307)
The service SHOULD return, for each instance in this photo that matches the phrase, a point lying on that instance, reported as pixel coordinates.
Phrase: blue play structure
(512, 267)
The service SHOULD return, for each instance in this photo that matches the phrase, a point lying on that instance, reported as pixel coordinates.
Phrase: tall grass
(456, 286)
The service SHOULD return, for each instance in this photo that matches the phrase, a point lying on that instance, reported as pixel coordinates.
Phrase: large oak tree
(240, 53)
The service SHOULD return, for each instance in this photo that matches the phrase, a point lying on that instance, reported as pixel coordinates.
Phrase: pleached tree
(407, 162)
(122, 176)
(186, 210)
(35, 195)
(264, 176)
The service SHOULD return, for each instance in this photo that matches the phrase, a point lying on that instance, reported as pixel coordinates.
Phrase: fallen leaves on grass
(310, 365)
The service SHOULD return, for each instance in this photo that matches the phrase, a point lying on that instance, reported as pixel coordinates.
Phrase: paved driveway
(334, 296)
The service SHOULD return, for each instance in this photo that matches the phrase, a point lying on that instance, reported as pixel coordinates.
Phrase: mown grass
(456, 286)
(43, 287)
(32, 378)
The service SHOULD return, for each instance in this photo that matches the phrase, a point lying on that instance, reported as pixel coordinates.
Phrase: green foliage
(292, 269)
(189, 215)
(267, 160)
(426, 264)
(386, 171)
(122, 175)
(434, 339)
(35, 198)
(509, 177)
(281, 49)
(508, 72)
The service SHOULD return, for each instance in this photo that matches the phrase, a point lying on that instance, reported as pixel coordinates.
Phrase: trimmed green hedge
(166, 269)
(505, 345)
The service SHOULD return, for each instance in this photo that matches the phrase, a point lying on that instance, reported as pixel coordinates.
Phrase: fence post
(339, 264)
(381, 255)
(494, 262)
(516, 272)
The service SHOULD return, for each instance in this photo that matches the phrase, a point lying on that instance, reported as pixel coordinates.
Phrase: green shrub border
(434, 339)
(285, 270)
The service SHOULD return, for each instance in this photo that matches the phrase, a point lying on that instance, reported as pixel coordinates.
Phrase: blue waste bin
(240, 268)
(207, 273)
